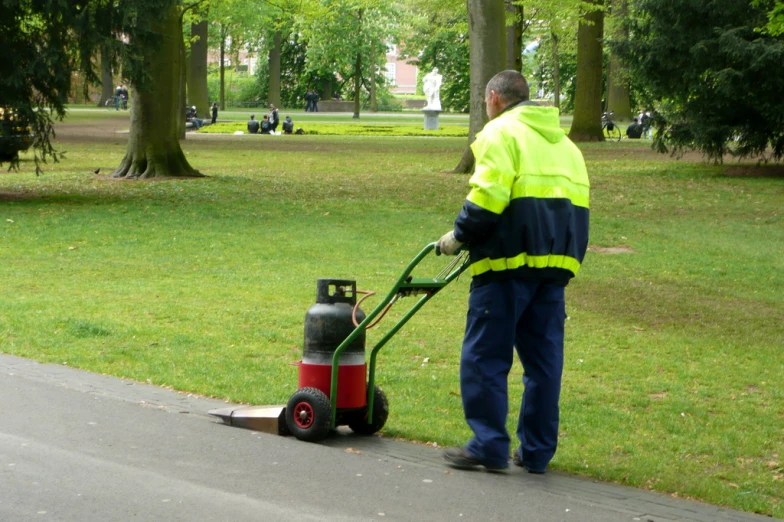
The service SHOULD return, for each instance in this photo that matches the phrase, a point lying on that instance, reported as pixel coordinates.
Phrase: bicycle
(610, 129)
(113, 103)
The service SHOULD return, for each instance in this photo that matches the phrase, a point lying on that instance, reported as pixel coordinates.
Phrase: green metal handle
(405, 285)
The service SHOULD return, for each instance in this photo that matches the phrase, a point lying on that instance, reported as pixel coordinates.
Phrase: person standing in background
(274, 119)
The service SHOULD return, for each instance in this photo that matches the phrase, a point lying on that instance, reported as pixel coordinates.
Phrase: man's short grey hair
(510, 85)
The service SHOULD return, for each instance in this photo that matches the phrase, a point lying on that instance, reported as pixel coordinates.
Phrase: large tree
(515, 25)
(107, 75)
(587, 121)
(487, 33)
(714, 74)
(274, 69)
(618, 89)
(198, 94)
(155, 60)
(556, 21)
(242, 26)
(42, 41)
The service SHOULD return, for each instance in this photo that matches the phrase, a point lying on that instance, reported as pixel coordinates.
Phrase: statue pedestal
(431, 119)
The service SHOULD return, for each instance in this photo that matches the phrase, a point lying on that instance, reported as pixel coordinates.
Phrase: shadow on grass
(755, 171)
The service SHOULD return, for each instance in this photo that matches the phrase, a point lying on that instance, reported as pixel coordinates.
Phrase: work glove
(448, 245)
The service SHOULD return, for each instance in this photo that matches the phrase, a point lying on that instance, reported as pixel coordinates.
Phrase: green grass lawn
(673, 377)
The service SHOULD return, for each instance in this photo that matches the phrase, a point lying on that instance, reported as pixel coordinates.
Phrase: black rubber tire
(359, 423)
(309, 415)
(613, 134)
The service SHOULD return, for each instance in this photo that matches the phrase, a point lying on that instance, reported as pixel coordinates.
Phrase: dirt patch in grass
(13, 196)
(611, 250)
(755, 171)
(98, 131)
(641, 152)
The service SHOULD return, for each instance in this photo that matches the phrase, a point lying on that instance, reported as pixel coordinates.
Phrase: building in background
(402, 76)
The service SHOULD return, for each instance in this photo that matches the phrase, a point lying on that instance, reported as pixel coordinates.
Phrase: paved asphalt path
(77, 446)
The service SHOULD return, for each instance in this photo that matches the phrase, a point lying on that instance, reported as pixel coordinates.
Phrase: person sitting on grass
(253, 125)
(191, 116)
(634, 130)
(265, 125)
(288, 125)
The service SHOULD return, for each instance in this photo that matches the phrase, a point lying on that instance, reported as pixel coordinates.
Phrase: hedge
(353, 129)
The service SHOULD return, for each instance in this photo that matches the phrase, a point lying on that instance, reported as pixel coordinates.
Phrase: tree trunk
(107, 80)
(587, 122)
(514, 37)
(274, 71)
(486, 30)
(618, 96)
(326, 87)
(358, 74)
(373, 100)
(198, 94)
(357, 84)
(181, 88)
(618, 92)
(223, 32)
(556, 73)
(156, 113)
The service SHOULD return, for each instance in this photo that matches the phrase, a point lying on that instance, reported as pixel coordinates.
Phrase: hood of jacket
(543, 120)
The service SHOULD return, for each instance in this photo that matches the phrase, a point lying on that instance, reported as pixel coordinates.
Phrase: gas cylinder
(327, 324)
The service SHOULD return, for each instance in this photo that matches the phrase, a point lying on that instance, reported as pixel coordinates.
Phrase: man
(647, 122)
(124, 97)
(288, 125)
(265, 125)
(309, 101)
(525, 225)
(634, 130)
(192, 116)
(253, 125)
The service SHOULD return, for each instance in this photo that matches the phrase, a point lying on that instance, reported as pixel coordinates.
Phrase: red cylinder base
(352, 387)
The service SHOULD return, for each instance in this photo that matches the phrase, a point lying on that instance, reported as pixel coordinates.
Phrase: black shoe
(518, 461)
(459, 458)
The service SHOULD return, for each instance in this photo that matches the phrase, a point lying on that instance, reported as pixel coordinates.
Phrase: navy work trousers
(528, 316)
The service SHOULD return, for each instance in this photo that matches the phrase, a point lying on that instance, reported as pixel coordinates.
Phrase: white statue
(431, 84)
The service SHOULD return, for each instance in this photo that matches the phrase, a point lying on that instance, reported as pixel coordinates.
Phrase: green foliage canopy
(715, 77)
(39, 54)
(775, 25)
(44, 43)
(337, 31)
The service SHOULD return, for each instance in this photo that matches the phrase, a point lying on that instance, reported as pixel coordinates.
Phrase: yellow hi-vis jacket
(526, 215)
